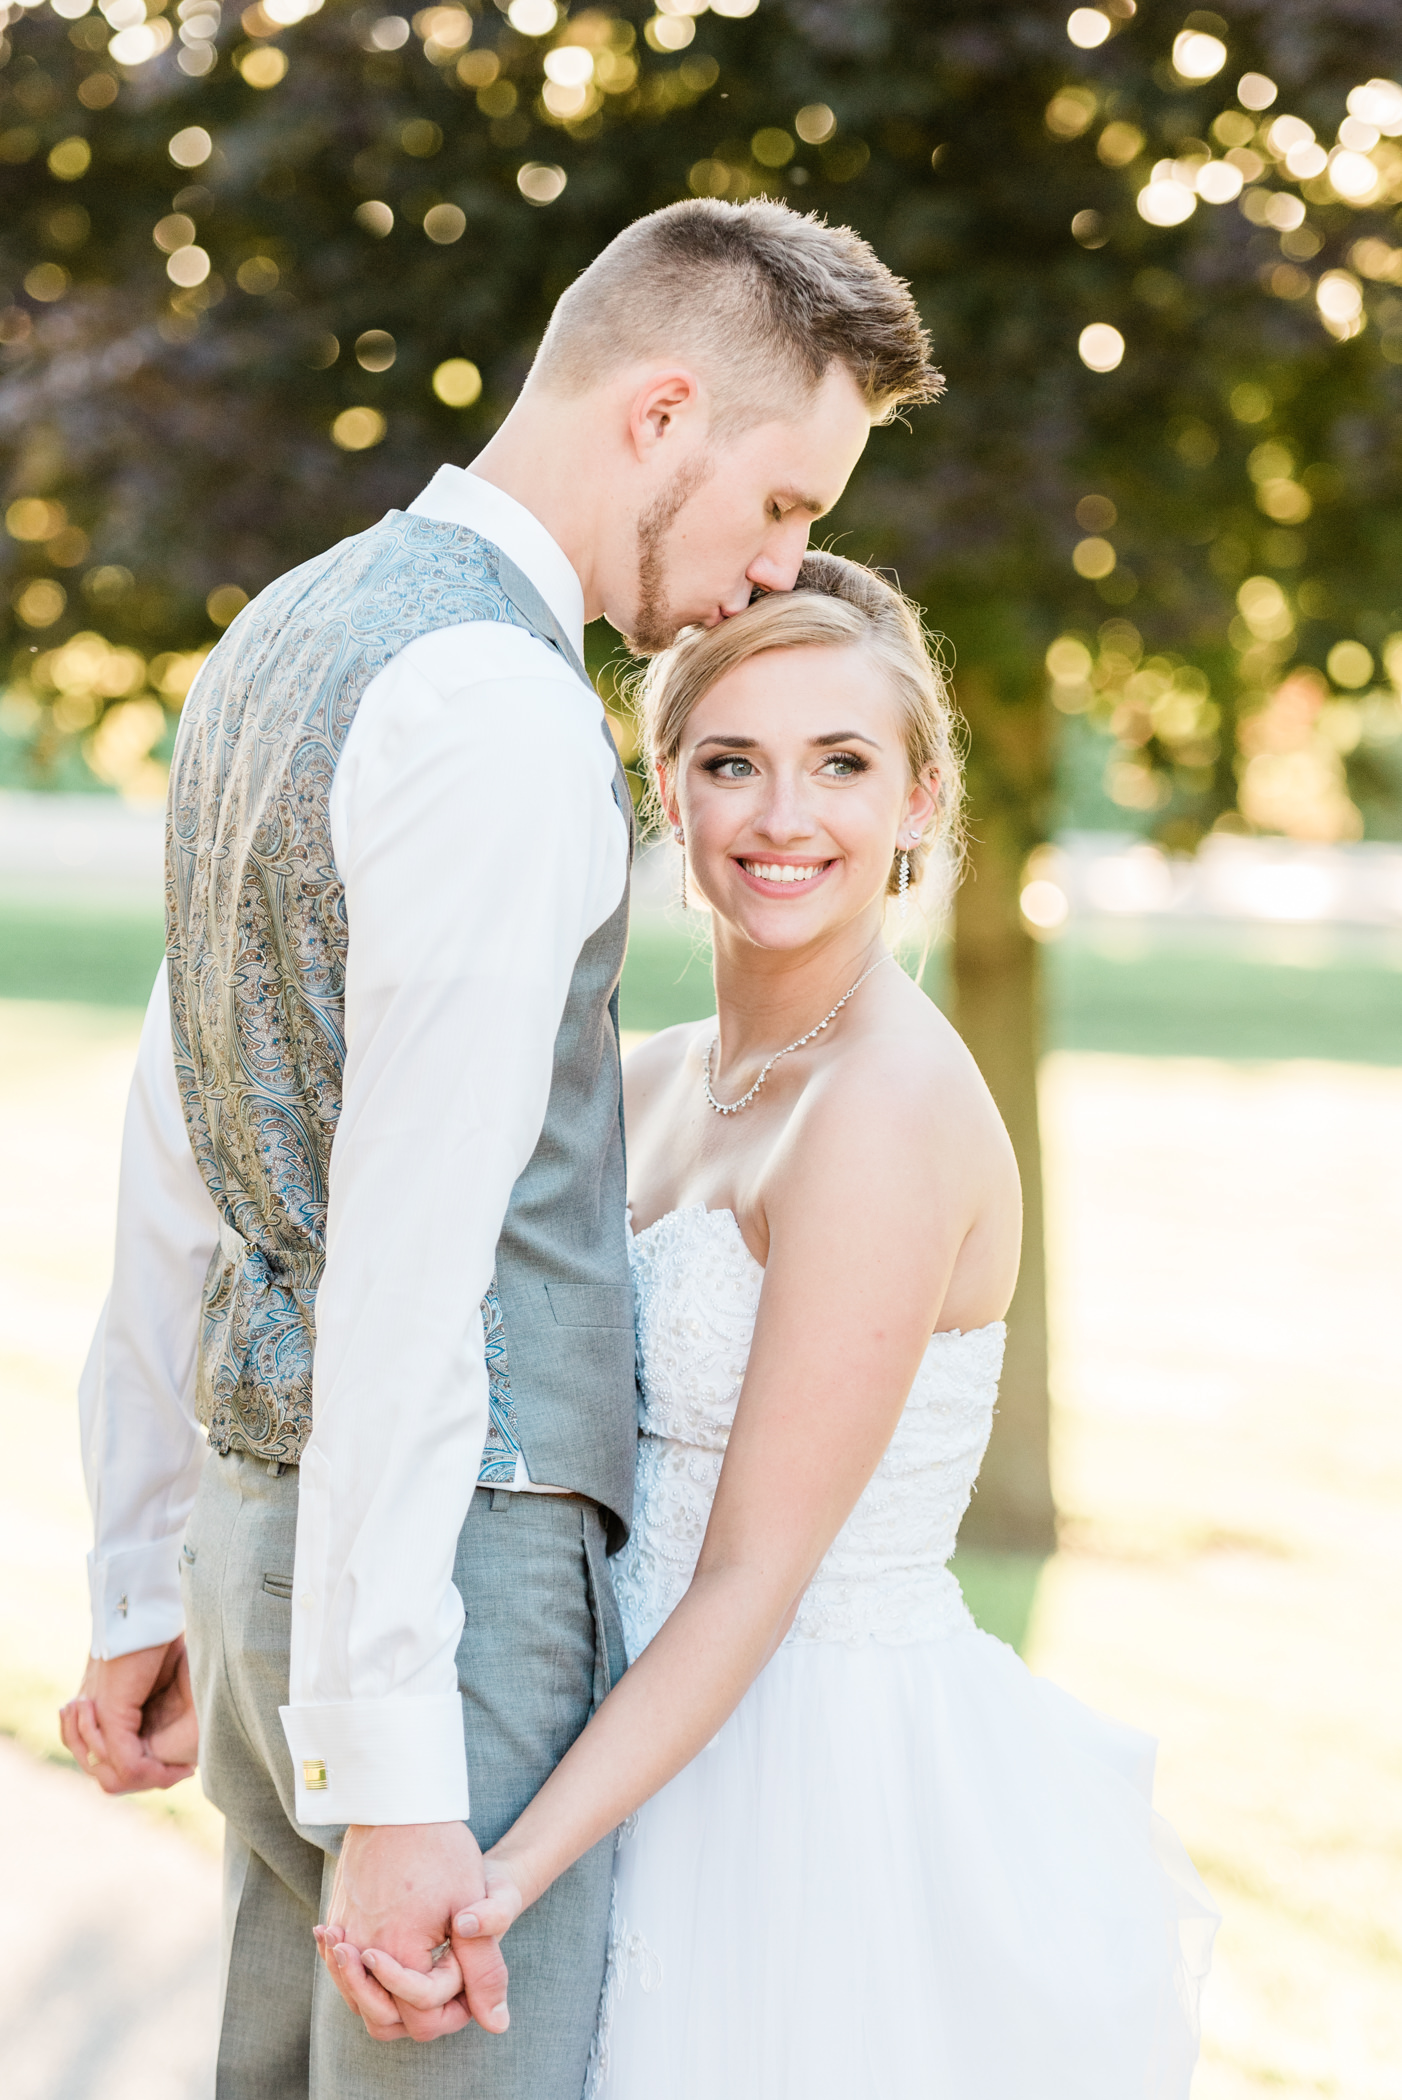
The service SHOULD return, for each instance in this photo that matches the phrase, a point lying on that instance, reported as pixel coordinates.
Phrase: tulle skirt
(900, 1872)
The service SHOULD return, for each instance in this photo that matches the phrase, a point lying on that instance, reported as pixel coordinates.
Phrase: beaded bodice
(697, 1288)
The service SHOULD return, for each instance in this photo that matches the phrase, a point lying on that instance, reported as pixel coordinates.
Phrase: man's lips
(782, 878)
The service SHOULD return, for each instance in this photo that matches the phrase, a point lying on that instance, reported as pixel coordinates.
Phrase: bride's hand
(495, 1913)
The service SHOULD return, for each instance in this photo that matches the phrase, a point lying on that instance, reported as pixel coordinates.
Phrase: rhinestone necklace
(733, 1108)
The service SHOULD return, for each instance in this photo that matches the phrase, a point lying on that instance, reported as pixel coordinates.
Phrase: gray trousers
(540, 1648)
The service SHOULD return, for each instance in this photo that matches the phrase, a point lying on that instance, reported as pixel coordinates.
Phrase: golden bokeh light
(569, 66)
(421, 138)
(815, 123)
(32, 518)
(1100, 347)
(539, 181)
(1219, 182)
(1087, 27)
(46, 282)
(669, 32)
(1119, 143)
(138, 45)
(188, 267)
(42, 602)
(445, 223)
(69, 547)
(1093, 558)
(1350, 665)
(264, 66)
(1249, 402)
(1044, 905)
(1165, 200)
(1096, 513)
(445, 31)
(1070, 112)
(772, 148)
(358, 429)
(1233, 128)
(457, 382)
(375, 350)
(1354, 177)
(478, 69)
(258, 274)
(1339, 298)
(119, 749)
(1256, 91)
(225, 603)
(69, 159)
(1197, 55)
(533, 17)
(1265, 608)
(175, 230)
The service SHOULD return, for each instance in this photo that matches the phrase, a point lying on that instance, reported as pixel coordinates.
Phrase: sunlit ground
(1224, 1243)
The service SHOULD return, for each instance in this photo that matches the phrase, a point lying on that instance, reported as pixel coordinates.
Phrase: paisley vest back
(256, 941)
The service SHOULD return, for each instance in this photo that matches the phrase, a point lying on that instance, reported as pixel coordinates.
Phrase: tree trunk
(997, 983)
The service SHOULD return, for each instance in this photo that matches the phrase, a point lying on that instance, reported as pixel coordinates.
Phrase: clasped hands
(402, 1891)
(413, 1929)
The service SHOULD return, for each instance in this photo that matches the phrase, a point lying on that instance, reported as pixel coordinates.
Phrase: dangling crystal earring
(903, 883)
(681, 841)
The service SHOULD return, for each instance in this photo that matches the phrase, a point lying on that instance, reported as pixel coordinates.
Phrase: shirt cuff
(136, 1598)
(379, 1760)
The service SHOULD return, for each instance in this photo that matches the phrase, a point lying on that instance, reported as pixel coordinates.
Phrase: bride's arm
(867, 1215)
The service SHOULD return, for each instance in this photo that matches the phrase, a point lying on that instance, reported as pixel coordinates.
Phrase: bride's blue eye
(844, 764)
(719, 768)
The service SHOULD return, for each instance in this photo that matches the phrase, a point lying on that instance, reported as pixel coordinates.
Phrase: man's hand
(132, 1725)
(397, 1891)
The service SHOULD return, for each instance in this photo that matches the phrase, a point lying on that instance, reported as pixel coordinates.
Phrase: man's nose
(776, 566)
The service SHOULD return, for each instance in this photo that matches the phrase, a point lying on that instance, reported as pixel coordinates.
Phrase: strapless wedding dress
(905, 1869)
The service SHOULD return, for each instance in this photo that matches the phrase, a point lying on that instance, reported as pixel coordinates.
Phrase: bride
(863, 1852)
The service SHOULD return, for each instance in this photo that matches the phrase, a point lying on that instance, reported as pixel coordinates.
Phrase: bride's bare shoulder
(905, 1074)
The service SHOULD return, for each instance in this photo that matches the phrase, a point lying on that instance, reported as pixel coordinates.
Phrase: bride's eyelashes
(839, 765)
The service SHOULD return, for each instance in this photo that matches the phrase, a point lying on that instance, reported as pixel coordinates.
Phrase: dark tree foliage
(182, 439)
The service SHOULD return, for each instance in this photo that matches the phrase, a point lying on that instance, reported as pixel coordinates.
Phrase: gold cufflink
(314, 1774)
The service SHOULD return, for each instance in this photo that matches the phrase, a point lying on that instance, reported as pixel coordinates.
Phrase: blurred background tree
(260, 274)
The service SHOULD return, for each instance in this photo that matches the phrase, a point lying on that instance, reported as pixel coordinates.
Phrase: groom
(389, 1379)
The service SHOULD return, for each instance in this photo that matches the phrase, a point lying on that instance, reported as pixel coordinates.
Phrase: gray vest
(256, 942)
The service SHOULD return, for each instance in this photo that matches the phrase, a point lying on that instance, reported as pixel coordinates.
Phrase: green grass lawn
(1171, 991)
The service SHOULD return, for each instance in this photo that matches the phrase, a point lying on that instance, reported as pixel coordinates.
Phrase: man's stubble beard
(655, 626)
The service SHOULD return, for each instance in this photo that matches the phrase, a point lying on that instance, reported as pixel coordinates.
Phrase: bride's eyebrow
(820, 743)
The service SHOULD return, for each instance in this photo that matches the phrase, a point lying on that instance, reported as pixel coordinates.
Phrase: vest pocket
(590, 1304)
(279, 1586)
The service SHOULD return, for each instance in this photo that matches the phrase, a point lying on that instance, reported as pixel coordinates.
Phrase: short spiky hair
(765, 299)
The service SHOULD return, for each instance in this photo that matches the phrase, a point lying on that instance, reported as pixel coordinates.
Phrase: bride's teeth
(763, 871)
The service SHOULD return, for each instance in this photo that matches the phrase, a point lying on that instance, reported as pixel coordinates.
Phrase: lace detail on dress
(628, 1955)
(884, 1579)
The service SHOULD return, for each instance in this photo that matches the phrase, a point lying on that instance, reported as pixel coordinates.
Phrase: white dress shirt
(475, 829)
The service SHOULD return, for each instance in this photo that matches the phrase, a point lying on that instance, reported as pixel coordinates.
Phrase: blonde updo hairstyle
(836, 604)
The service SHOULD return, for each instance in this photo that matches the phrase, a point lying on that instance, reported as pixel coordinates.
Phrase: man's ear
(664, 400)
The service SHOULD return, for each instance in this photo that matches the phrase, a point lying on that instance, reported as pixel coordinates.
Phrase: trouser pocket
(610, 1655)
